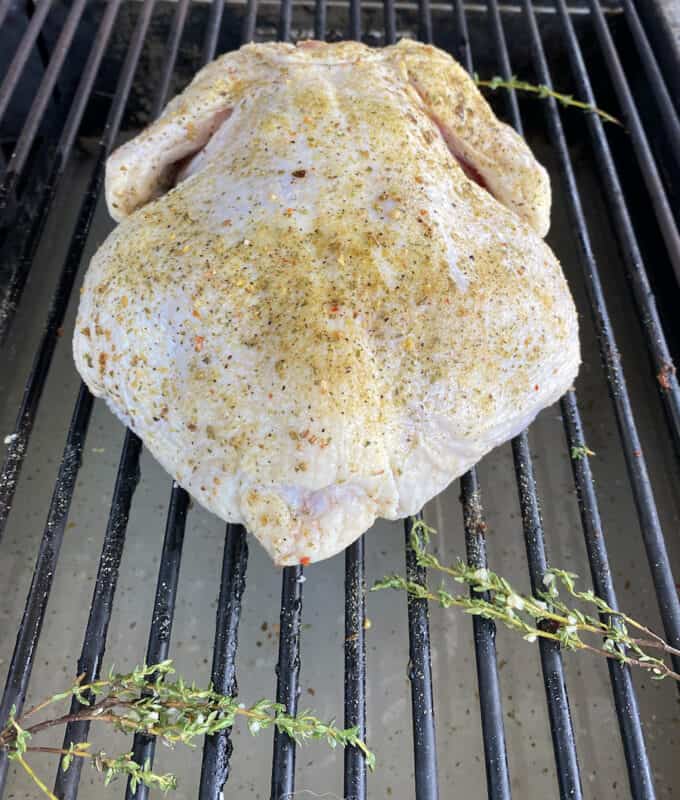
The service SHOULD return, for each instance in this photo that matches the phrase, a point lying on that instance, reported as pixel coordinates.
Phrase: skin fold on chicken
(328, 295)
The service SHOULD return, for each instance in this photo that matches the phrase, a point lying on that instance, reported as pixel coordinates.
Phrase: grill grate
(20, 246)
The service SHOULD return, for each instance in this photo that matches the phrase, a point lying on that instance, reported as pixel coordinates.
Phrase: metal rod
(643, 151)
(26, 45)
(287, 684)
(424, 21)
(21, 665)
(248, 32)
(561, 726)
(662, 363)
(564, 743)
(16, 450)
(170, 56)
(490, 702)
(355, 20)
(285, 17)
(625, 699)
(158, 648)
(355, 667)
(217, 749)
(94, 644)
(463, 51)
(288, 666)
(643, 494)
(420, 677)
(213, 34)
(390, 16)
(320, 20)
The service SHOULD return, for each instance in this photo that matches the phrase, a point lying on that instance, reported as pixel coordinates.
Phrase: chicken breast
(343, 303)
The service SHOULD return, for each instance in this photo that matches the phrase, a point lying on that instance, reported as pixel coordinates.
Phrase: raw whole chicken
(328, 295)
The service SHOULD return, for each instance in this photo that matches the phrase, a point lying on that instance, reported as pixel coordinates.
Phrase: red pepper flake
(198, 343)
(299, 173)
(288, 212)
(334, 308)
(536, 387)
(305, 560)
(226, 223)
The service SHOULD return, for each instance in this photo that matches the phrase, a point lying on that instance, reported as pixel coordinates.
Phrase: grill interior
(99, 566)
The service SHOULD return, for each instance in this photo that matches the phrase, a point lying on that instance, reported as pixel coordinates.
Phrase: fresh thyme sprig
(543, 91)
(547, 616)
(144, 701)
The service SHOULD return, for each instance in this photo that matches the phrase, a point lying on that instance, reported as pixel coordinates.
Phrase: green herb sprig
(543, 91)
(547, 616)
(144, 701)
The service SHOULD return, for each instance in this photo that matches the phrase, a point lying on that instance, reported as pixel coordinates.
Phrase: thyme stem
(544, 91)
(546, 616)
(143, 701)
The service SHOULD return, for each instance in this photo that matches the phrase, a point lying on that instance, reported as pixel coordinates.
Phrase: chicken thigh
(328, 295)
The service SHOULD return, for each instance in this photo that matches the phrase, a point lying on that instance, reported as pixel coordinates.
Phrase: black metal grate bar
(22, 54)
(157, 650)
(288, 665)
(490, 702)
(655, 79)
(287, 684)
(213, 33)
(564, 743)
(171, 50)
(21, 665)
(420, 677)
(320, 20)
(355, 19)
(561, 727)
(92, 654)
(420, 667)
(285, 20)
(642, 489)
(16, 450)
(355, 666)
(625, 700)
(144, 747)
(390, 21)
(28, 228)
(650, 173)
(248, 32)
(664, 372)
(355, 771)
(217, 748)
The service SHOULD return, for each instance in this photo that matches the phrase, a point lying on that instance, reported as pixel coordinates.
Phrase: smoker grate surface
(82, 41)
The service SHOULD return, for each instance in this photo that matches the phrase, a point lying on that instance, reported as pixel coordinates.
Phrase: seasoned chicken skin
(343, 303)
